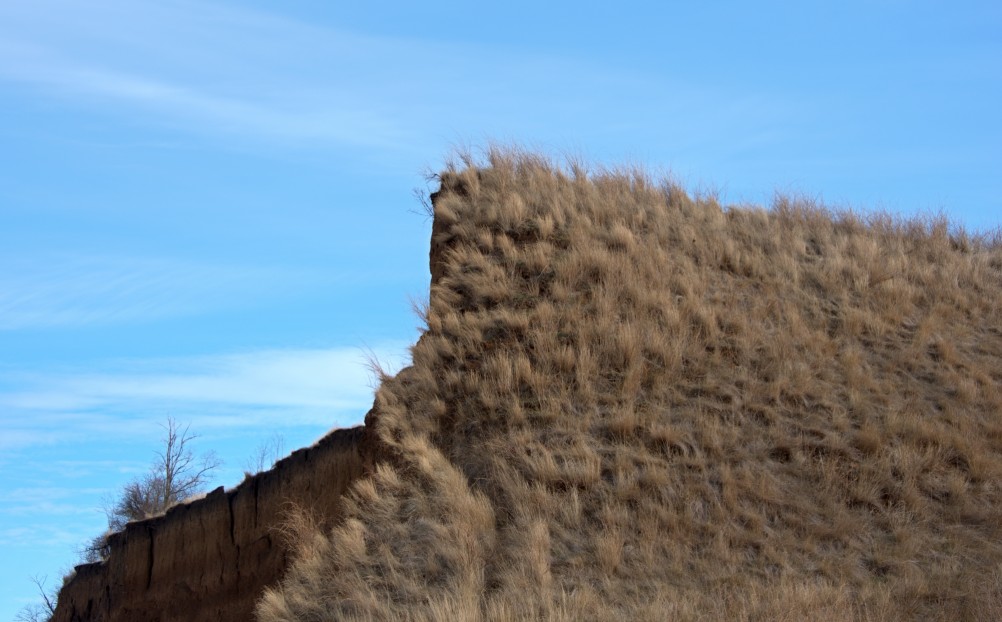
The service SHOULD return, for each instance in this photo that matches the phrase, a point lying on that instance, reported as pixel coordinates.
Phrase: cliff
(210, 559)
(631, 404)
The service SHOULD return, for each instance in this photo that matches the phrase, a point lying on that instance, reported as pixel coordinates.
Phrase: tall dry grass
(630, 404)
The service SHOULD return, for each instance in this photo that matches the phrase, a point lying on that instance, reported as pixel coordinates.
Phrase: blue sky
(207, 211)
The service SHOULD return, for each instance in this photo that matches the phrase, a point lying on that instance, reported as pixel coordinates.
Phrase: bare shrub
(174, 476)
(266, 455)
(43, 611)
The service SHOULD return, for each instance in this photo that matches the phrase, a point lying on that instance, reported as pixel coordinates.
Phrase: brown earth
(209, 560)
(633, 404)
(628, 403)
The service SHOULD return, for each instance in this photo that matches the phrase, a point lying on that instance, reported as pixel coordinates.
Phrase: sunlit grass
(630, 404)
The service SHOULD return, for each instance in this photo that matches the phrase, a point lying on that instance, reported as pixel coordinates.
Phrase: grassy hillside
(629, 404)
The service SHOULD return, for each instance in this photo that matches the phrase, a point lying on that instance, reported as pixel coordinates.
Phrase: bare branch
(39, 612)
(175, 475)
(49, 601)
(266, 455)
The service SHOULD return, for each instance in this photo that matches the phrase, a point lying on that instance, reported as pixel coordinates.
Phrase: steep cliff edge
(210, 559)
(631, 404)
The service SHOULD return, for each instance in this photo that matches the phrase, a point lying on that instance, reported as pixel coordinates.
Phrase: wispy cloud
(69, 438)
(320, 118)
(269, 387)
(215, 68)
(48, 517)
(43, 536)
(45, 499)
(80, 290)
(206, 67)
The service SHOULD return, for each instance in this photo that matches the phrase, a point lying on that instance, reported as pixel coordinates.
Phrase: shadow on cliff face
(210, 559)
(630, 404)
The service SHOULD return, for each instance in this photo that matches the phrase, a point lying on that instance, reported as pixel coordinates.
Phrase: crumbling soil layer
(210, 559)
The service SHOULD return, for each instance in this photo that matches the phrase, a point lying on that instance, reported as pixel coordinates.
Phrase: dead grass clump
(632, 404)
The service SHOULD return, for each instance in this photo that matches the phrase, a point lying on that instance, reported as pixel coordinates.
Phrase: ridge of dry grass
(630, 404)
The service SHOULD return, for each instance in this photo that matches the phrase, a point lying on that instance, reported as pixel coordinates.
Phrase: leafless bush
(267, 454)
(175, 475)
(39, 612)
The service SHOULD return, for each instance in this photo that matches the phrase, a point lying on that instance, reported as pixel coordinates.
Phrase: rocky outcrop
(210, 559)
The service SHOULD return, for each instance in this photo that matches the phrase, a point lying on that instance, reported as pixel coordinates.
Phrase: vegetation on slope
(629, 404)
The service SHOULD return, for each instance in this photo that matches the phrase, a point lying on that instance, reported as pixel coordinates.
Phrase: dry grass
(629, 404)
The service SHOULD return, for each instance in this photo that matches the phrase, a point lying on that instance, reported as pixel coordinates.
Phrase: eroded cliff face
(210, 559)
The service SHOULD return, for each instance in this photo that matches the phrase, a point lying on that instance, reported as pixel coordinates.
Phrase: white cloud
(39, 537)
(214, 69)
(269, 387)
(46, 500)
(77, 290)
(300, 378)
(205, 68)
(322, 119)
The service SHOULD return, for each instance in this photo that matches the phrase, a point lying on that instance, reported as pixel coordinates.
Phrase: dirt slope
(628, 404)
(209, 560)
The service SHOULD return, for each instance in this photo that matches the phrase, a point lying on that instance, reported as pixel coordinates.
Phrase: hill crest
(631, 404)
